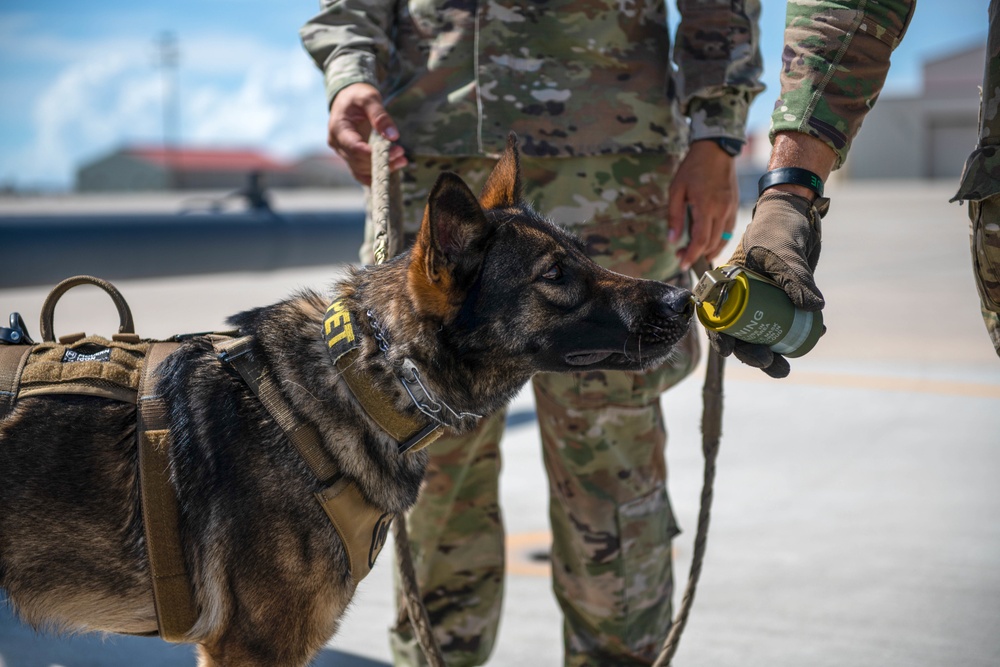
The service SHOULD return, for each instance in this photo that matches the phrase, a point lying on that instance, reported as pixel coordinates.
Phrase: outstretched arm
(835, 60)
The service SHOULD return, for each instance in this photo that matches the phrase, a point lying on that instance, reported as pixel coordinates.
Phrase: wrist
(796, 149)
(731, 147)
(791, 188)
(804, 202)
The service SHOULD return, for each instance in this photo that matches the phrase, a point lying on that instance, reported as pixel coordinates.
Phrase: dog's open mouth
(618, 358)
(587, 358)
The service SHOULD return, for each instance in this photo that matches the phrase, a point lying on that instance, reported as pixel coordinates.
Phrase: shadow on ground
(21, 646)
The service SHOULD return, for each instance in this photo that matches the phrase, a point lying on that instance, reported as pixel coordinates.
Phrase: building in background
(924, 136)
(322, 169)
(140, 168)
(928, 135)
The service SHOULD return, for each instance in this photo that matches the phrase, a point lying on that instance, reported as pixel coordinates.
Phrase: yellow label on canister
(722, 316)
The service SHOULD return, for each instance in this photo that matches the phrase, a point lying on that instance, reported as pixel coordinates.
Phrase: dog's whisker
(673, 356)
(625, 353)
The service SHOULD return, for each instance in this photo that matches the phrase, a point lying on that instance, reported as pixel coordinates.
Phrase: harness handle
(48, 308)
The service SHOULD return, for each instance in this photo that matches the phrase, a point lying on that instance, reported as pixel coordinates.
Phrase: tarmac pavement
(856, 502)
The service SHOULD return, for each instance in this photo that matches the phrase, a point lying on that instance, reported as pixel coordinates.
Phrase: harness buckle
(17, 333)
(232, 350)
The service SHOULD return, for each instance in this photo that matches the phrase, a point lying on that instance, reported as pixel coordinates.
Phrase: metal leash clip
(713, 287)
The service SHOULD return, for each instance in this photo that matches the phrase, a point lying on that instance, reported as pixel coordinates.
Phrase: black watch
(731, 146)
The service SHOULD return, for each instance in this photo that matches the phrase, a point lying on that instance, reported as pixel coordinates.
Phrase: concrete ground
(855, 503)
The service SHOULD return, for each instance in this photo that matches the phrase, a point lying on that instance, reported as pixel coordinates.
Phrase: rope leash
(711, 433)
(386, 209)
(386, 202)
(386, 206)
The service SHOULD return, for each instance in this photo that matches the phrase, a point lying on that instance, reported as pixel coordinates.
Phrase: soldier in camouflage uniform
(835, 61)
(980, 186)
(614, 145)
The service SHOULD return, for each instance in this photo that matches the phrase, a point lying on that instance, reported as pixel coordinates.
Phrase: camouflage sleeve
(981, 175)
(834, 64)
(717, 52)
(349, 40)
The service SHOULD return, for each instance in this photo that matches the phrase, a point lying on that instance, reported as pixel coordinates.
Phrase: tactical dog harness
(126, 369)
(122, 369)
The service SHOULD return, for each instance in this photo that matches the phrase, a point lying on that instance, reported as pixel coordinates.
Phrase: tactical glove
(782, 242)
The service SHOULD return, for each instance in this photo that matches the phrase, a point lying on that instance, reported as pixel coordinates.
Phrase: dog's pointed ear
(503, 187)
(449, 246)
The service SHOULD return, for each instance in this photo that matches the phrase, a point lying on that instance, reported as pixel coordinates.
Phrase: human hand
(355, 111)
(782, 242)
(706, 183)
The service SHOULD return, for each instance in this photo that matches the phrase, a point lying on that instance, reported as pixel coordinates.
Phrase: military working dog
(449, 331)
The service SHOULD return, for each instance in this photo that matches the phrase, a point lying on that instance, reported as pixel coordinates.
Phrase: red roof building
(206, 159)
(135, 168)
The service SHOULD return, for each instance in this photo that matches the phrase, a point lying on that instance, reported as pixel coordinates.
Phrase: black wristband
(792, 175)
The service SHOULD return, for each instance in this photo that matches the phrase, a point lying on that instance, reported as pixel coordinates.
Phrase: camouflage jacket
(834, 64)
(570, 77)
(981, 176)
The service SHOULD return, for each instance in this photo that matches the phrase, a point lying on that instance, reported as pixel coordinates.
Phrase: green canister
(746, 305)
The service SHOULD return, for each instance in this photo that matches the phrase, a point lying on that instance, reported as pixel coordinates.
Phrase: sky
(80, 79)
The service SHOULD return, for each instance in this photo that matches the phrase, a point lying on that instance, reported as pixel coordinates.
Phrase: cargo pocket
(985, 217)
(647, 525)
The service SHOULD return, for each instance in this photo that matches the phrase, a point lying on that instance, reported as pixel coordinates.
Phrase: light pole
(168, 59)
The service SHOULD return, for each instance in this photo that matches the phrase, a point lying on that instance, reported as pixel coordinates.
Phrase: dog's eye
(554, 273)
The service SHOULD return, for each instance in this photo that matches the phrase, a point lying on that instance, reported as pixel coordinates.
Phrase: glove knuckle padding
(783, 242)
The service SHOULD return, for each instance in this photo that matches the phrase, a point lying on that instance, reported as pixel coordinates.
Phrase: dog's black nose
(677, 301)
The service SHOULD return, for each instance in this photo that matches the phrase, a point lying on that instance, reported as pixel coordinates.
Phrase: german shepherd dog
(490, 294)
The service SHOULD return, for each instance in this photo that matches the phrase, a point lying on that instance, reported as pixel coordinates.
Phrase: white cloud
(278, 94)
(234, 91)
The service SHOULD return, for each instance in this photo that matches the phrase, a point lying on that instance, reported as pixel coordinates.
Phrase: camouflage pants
(604, 440)
(985, 217)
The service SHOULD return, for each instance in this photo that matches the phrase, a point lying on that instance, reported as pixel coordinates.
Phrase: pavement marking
(879, 382)
(521, 549)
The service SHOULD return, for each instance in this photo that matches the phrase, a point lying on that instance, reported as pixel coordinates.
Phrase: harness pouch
(362, 528)
(92, 366)
(79, 364)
